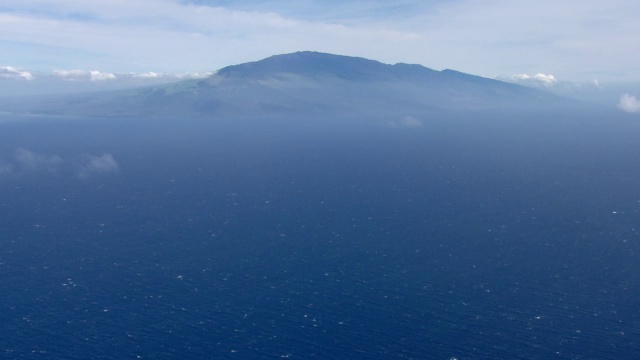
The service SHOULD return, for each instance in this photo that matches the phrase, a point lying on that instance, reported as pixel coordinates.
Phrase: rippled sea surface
(468, 236)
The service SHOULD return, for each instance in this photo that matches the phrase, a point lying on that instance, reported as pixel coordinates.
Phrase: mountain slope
(304, 84)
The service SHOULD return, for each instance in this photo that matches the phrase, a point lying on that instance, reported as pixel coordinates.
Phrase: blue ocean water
(463, 236)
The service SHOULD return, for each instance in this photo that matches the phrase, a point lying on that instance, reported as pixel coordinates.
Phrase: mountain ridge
(306, 83)
(312, 63)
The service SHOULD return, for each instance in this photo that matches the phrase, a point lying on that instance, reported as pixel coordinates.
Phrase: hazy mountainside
(303, 83)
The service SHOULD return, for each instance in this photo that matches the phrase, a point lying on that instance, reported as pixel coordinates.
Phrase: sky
(527, 40)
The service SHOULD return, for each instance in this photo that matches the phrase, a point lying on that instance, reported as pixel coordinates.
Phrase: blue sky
(573, 40)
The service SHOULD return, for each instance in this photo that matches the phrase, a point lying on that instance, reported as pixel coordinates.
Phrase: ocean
(450, 236)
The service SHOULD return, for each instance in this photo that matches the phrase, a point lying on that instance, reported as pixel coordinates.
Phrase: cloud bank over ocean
(10, 72)
(18, 81)
(25, 162)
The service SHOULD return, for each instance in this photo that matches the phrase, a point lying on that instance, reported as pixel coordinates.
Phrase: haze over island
(304, 84)
(582, 49)
(364, 179)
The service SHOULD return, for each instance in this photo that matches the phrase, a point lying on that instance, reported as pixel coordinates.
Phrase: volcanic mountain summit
(306, 84)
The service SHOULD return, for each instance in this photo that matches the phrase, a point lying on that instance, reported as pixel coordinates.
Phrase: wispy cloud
(97, 165)
(629, 103)
(26, 162)
(410, 122)
(6, 168)
(31, 161)
(192, 75)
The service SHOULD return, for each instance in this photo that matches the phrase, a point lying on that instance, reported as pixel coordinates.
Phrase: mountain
(303, 84)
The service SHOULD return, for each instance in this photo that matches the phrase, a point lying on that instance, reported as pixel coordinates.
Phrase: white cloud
(71, 75)
(193, 75)
(100, 76)
(629, 103)
(10, 72)
(78, 80)
(83, 75)
(147, 75)
(97, 165)
(538, 80)
(177, 76)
